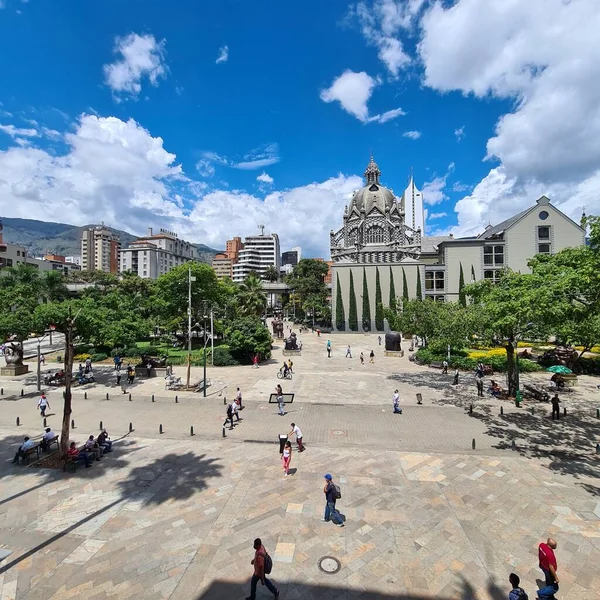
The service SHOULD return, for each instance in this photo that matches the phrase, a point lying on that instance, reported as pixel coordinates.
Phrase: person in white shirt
(238, 398)
(234, 412)
(43, 404)
(396, 403)
(296, 431)
(48, 435)
(26, 445)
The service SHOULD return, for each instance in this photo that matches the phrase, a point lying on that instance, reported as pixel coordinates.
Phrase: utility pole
(189, 311)
(212, 339)
(205, 342)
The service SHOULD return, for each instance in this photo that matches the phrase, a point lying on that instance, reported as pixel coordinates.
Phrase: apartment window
(544, 249)
(438, 298)
(543, 233)
(493, 256)
(18, 253)
(492, 275)
(434, 281)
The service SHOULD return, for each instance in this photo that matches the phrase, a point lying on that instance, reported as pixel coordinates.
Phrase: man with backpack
(332, 493)
(517, 593)
(229, 416)
(263, 565)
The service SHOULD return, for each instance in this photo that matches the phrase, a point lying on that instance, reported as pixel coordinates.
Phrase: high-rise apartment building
(156, 254)
(232, 248)
(258, 253)
(222, 265)
(100, 250)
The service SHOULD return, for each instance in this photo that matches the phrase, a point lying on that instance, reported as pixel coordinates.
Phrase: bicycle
(280, 375)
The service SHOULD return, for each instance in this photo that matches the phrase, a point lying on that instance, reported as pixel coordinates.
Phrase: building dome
(373, 195)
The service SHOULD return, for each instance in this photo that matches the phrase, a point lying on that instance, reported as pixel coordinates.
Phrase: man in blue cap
(332, 493)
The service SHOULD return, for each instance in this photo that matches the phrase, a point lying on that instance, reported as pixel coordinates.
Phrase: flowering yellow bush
(486, 354)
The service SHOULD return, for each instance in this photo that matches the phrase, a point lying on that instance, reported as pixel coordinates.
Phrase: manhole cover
(330, 565)
(338, 432)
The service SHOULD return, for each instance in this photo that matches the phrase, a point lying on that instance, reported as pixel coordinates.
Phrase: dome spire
(372, 171)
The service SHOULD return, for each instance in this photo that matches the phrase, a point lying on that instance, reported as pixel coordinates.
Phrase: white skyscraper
(412, 200)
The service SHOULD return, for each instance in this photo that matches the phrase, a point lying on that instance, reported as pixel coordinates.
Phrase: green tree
(340, 316)
(271, 274)
(393, 300)
(252, 301)
(379, 325)
(248, 336)
(462, 298)
(353, 313)
(366, 304)
(404, 285)
(419, 290)
(307, 282)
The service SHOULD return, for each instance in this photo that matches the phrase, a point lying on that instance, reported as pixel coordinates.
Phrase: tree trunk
(68, 365)
(511, 368)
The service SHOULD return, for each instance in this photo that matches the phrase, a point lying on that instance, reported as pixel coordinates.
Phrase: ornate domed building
(374, 229)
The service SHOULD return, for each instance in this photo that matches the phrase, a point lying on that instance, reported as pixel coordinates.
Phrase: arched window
(352, 237)
(375, 235)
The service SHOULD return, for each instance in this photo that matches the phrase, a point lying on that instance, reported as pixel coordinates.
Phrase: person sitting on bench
(22, 451)
(93, 448)
(76, 456)
(494, 389)
(104, 441)
(48, 435)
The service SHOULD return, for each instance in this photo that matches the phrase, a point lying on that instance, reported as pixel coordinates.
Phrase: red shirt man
(548, 562)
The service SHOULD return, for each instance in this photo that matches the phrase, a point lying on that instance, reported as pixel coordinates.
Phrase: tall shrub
(392, 304)
(340, 316)
(404, 285)
(462, 297)
(419, 290)
(473, 278)
(378, 302)
(353, 314)
(366, 305)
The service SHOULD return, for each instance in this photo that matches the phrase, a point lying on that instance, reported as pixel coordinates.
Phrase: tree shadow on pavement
(568, 443)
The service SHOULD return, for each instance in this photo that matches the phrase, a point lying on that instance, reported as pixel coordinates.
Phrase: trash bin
(282, 441)
(59, 358)
(518, 399)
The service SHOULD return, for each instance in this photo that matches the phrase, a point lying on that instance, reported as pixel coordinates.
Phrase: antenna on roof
(262, 229)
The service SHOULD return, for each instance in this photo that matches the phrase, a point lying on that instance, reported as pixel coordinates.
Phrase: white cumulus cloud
(353, 91)
(18, 132)
(223, 55)
(265, 178)
(140, 57)
(459, 133)
(413, 135)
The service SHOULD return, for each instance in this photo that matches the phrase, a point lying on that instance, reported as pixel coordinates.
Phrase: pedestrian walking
(379, 339)
(555, 407)
(547, 562)
(255, 362)
(130, 374)
(234, 410)
(286, 458)
(445, 367)
(517, 592)
(298, 433)
(229, 414)
(238, 398)
(262, 567)
(348, 352)
(42, 360)
(280, 402)
(362, 358)
(118, 377)
(479, 383)
(88, 365)
(396, 403)
(117, 361)
(456, 376)
(328, 348)
(372, 357)
(43, 404)
(332, 494)
(124, 382)
(290, 365)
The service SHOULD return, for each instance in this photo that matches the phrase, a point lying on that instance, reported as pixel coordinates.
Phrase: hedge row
(498, 363)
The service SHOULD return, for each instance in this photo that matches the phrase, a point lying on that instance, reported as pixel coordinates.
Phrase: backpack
(229, 411)
(268, 563)
(337, 492)
(518, 594)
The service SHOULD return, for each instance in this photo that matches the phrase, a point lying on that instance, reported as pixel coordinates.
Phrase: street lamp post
(189, 311)
(205, 343)
(39, 367)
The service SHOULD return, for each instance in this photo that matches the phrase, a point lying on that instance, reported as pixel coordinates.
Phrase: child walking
(286, 457)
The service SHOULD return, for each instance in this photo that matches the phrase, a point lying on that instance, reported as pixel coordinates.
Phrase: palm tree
(271, 274)
(53, 286)
(251, 297)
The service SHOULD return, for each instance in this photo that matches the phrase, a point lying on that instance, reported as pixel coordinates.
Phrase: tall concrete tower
(412, 200)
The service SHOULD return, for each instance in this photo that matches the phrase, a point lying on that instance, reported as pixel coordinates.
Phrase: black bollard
(473, 444)
(130, 427)
(22, 392)
(45, 424)
(101, 428)
(72, 423)
(564, 411)
(224, 401)
(85, 395)
(130, 397)
(176, 400)
(152, 397)
(471, 409)
(501, 410)
(532, 410)
(191, 430)
(224, 434)
(513, 446)
(160, 428)
(18, 421)
(107, 395)
(598, 413)
(597, 448)
(1, 391)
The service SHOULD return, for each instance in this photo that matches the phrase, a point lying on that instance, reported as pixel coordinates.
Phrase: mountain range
(41, 237)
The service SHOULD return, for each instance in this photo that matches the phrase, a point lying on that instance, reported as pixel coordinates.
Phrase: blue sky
(122, 112)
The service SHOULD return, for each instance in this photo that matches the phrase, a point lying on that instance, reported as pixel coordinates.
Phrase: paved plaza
(174, 516)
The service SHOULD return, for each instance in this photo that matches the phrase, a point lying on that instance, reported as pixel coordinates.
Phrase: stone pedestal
(154, 372)
(393, 354)
(13, 370)
(292, 352)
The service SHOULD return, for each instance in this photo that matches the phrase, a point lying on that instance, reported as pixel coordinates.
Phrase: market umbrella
(559, 369)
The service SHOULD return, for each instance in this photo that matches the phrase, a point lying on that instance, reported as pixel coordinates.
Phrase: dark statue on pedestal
(393, 341)
(13, 354)
(291, 343)
(277, 328)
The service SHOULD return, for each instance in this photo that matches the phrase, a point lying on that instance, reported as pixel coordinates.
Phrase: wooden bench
(488, 370)
(50, 443)
(436, 364)
(69, 463)
(29, 452)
